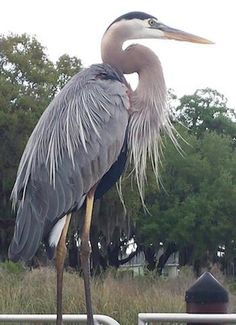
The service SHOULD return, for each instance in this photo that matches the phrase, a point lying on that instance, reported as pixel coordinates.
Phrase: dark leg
(85, 251)
(60, 259)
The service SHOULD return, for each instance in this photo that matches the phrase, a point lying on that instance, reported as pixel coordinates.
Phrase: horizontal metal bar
(184, 317)
(99, 319)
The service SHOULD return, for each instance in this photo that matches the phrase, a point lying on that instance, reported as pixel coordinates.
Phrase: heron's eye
(151, 22)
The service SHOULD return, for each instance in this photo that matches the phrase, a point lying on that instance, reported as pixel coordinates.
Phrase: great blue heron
(79, 147)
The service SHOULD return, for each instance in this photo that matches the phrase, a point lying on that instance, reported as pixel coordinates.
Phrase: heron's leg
(85, 251)
(60, 259)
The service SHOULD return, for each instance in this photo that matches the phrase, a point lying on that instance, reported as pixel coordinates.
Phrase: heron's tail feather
(28, 233)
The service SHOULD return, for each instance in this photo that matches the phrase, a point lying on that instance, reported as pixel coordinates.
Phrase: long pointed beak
(179, 35)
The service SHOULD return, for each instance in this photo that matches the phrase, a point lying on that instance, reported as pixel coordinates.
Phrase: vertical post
(206, 296)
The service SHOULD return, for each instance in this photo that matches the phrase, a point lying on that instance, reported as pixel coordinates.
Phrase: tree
(206, 110)
(28, 79)
(196, 206)
(28, 71)
(66, 67)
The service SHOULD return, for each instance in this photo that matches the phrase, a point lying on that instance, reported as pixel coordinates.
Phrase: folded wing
(76, 141)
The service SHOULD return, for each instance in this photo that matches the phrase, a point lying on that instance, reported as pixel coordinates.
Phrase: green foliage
(15, 128)
(198, 196)
(66, 67)
(196, 205)
(11, 268)
(25, 66)
(206, 110)
(28, 79)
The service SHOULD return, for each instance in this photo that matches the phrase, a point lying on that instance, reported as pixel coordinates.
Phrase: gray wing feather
(76, 141)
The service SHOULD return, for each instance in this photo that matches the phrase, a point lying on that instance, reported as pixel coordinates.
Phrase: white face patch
(135, 29)
(143, 29)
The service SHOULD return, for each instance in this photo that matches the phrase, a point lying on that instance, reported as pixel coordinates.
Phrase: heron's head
(139, 25)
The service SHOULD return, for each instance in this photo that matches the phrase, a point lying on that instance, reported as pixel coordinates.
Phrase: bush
(12, 268)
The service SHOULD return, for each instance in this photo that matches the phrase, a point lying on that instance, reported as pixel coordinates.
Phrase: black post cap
(206, 290)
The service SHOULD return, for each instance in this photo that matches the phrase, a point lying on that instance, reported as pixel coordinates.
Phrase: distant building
(137, 265)
(171, 269)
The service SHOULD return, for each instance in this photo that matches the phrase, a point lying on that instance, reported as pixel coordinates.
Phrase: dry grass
(119, 297)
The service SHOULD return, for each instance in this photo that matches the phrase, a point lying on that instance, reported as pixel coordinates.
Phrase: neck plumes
(149, 115)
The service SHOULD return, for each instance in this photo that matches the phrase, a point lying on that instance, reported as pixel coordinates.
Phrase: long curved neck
(133, 59)
(148, 114)
(111, 49)
(151, 88)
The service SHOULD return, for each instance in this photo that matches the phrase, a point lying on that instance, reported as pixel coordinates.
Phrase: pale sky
(76, 27)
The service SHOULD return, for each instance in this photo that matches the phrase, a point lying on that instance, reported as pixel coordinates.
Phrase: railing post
(206, 296)
(140, 321)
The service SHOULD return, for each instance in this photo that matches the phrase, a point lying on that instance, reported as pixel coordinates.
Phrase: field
(114, 294)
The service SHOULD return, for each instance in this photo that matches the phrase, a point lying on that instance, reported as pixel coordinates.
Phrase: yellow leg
(85, 252)
(60, 259)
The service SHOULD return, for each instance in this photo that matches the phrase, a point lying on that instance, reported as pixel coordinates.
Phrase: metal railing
(145, 318)
(41, 318)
